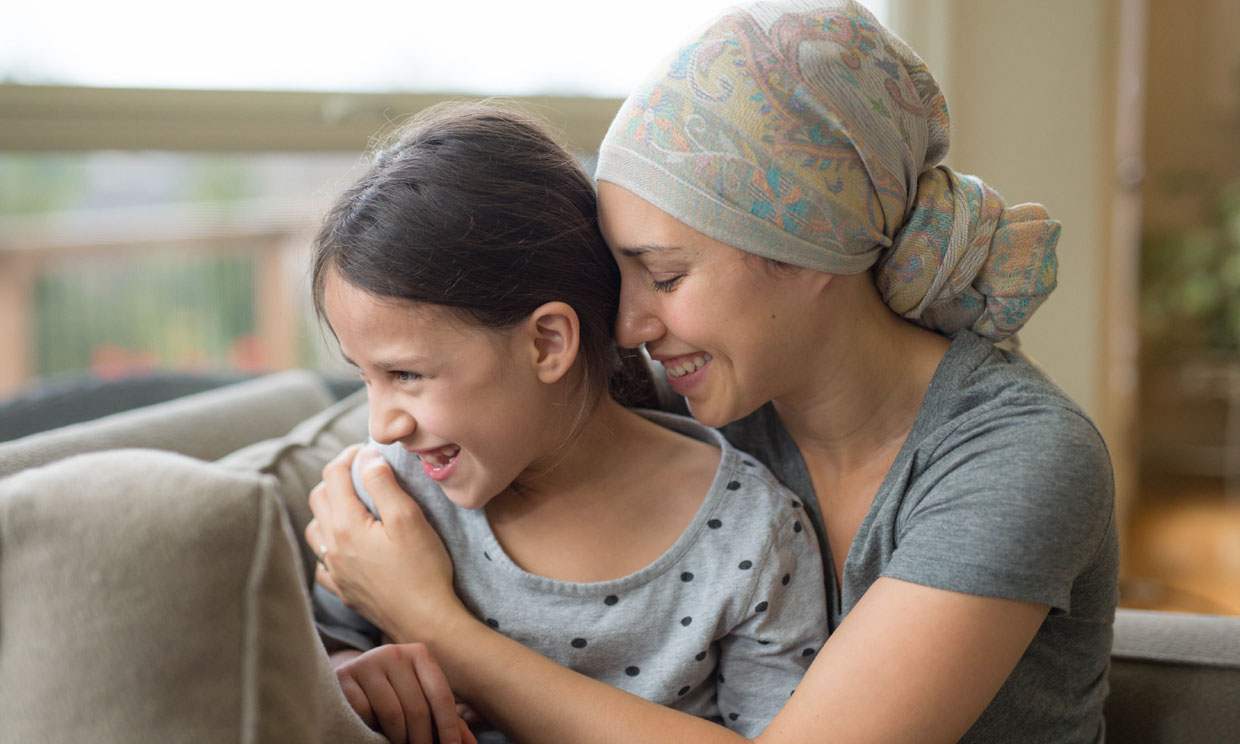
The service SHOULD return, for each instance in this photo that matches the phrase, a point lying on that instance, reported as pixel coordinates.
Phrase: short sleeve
(1012, 506)
(764, 656)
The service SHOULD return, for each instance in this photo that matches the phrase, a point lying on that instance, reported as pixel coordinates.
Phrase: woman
(773, 199)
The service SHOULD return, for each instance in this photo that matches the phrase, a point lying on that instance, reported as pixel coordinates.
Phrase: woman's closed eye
(666, 285)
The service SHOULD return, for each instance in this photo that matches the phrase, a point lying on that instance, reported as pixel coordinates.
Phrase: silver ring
(321, 554)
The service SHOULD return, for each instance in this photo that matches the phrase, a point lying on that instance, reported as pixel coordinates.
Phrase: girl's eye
(666, 285)
(406, 376)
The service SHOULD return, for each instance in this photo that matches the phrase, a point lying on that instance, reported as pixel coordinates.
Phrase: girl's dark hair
(476, 208)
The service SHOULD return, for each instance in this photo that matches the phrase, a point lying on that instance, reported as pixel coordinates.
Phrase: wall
(1045, 100)
(1028, 89)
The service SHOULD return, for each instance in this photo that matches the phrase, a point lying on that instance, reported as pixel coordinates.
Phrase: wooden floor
(1181, 550)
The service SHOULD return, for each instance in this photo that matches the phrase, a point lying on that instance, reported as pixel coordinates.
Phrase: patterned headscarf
(805, 132)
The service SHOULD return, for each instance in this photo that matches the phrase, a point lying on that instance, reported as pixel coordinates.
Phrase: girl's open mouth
(439, 463)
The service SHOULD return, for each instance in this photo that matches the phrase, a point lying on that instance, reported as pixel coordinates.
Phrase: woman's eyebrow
(638, 250)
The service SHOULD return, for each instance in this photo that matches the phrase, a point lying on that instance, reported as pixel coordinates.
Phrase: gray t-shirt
(1002, 489)
(722, 625)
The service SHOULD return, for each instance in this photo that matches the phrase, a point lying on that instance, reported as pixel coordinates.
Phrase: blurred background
(162, 171)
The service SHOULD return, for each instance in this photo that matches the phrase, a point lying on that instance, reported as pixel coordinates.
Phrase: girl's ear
(556, 334)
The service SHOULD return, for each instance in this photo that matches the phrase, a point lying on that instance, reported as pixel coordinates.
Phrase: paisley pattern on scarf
(805, 132)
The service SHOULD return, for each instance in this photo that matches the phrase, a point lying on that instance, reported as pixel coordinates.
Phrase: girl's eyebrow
(388, 366)
(650, 248)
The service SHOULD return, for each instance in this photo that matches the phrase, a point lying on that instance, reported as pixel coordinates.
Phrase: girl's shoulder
(740, 478)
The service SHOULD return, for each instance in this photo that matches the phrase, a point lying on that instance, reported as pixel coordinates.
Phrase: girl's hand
(400, 691)
(396, 571)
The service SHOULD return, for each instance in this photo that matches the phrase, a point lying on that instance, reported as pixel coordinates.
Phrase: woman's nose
(636, 323)
(389, 424)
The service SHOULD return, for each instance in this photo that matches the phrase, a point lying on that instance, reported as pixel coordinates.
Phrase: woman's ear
(555, 332)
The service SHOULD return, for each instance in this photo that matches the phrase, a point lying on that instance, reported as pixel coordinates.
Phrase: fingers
(401, 691)
(412, 696)
(324, 578)
(390, 499)
(356, 696)
(339, 499)
(437, 693)
(321, 543)
(375, 679)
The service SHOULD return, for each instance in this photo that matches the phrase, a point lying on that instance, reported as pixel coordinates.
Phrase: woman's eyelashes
(405, 376)
(666, 285)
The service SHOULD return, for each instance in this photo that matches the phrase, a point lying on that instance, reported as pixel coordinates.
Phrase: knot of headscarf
(805, 132)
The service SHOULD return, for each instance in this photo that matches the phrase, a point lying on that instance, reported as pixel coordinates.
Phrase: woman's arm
(908, 663)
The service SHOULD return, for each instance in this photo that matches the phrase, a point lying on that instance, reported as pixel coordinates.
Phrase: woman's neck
(856, 403)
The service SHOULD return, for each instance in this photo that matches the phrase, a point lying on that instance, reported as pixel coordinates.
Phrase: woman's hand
(395, 571)
(400, 691)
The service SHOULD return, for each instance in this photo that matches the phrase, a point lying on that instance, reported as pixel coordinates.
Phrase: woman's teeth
(684, 368)
(440, 457)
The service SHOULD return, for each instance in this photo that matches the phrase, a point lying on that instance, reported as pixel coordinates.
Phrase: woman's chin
(709, 415)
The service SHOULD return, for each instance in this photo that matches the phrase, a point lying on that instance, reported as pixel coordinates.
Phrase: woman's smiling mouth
(686, 365)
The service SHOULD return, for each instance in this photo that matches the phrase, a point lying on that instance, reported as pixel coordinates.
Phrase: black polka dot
(808, 652)
(686, 576)
(714, 524)
(733, 485)
(492, 622)
(760, 608)
(720, 676)
(796, 504)
(683, 690)
(632, 671)
(700, 656)
(686, 620)
(610, 600)
(745, 565)
(579, 643)
(748, 462)
(764, 643)
(796, 527)
(733, 716)
(487, 555)
(786, 579)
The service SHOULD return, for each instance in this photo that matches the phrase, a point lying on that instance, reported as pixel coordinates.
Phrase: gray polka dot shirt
(722, 625)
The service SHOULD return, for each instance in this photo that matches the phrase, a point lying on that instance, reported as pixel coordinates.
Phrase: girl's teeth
(442, 457)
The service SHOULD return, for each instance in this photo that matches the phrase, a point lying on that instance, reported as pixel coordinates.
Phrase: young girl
(466, 278)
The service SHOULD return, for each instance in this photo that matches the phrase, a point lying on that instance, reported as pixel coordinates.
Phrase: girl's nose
(636, 323)
(389, 424)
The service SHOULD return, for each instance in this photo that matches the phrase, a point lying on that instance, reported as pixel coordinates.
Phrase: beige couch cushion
(147, 596)
(296, 460)
(206, 425)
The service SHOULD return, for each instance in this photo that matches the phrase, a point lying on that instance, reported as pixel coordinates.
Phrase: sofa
(122, 537)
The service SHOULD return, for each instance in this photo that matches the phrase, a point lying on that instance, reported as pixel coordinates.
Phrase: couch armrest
(1174, 678)
(150, 597)
(206, 425)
